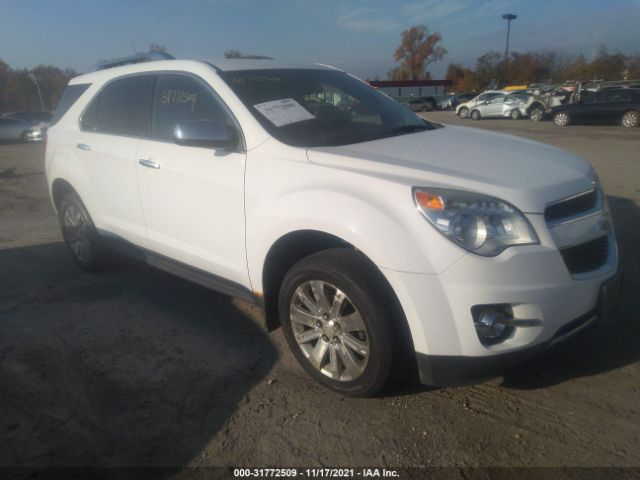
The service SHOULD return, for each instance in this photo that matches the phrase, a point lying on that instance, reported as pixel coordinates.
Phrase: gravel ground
(135, 368)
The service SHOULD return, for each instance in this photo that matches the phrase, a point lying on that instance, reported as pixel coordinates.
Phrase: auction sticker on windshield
(283, 112)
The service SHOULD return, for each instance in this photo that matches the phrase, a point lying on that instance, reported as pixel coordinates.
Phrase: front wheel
(338, 324)
(561, 119)
(536, 114)
(631, 119)
(515, 114)
(463, 113)
(475, 115)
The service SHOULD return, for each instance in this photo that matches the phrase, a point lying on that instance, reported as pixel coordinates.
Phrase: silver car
(14, 129)
(503, 106)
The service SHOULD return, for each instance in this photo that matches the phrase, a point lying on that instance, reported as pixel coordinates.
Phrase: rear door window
(181, 98)
(123, 106)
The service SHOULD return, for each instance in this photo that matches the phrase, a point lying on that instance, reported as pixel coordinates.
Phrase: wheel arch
(536, 105)
(296, 245)
(59, 188)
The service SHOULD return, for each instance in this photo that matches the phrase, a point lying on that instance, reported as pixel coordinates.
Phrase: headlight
(478, 223)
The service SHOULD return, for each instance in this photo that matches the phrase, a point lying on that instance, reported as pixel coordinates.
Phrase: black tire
(463, 112)
(361, 283)
(515, 114)
(536, 114)
(82, 240)
(475, 115)
(630, 119)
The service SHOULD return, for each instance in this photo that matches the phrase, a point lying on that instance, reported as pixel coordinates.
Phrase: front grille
(587, 256)
(573, 206)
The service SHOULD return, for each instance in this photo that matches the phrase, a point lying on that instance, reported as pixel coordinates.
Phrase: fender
(388, 236)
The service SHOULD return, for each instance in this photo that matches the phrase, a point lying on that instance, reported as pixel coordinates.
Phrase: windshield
(312, 107)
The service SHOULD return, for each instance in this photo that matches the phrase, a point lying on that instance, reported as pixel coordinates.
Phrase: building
(411, 88)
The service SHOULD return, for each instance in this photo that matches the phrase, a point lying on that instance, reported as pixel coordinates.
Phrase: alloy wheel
(631, 119)
(329, 330)
(536, 114)
(76, 233)
(561, 119)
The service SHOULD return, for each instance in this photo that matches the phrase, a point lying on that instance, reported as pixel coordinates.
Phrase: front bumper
(448, 370)
(533, 280)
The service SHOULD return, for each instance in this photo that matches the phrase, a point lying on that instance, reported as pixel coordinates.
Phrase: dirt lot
(135, 367)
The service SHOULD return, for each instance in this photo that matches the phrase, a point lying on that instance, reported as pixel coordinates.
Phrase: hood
(525, 173)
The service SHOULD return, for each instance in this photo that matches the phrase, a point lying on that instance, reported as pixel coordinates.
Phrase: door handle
(83, 146)
(146, 162)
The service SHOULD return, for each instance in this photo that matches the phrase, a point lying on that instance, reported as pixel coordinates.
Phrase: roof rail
(131, 59)
(600, 84)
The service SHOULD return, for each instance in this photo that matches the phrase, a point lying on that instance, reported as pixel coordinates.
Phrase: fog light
(491, 324)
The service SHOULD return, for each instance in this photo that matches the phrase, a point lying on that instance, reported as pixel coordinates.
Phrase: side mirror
(204, 133)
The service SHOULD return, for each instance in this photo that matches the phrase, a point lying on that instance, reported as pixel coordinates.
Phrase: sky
(359, 36)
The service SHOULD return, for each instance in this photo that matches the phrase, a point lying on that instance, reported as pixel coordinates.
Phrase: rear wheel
(631, 119)
(561, 119)
(536, 114)
(338, 324)
(475, 115)
(515, 114)
(80, 234)
(463, 112)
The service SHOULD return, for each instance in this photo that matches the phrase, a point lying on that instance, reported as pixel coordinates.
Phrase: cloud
(366, 18)
(433, 9)
(429, 10)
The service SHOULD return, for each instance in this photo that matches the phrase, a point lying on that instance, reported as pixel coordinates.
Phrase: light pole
(34, 79)
(508, 17)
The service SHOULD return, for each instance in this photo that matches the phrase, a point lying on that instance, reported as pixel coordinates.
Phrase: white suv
(380, 242)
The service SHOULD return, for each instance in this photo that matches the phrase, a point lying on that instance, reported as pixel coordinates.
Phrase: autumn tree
(418, 49)
(461, 78)
(18, 91)
(489, 70)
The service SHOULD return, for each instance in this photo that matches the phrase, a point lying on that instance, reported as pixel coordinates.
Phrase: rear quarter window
(69, 97)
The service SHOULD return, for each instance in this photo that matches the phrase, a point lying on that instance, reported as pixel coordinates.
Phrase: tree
(418, 49)
(157, 48)
(489, 70)
(18, 92)
(461, 78)
(234, 53)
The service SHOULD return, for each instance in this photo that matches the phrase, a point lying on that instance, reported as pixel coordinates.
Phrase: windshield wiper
(409, 128)
(401, 130)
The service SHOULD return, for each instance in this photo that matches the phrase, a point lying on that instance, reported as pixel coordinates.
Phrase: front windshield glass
(313, 107)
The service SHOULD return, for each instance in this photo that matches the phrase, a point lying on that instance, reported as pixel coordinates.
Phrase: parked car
(37, 116)
(14, 129)
(463, 109)
(421, 104)
(379, 242)
(608, 105)
(450, 102)
(35, 133)
(502, 106)
(543, 100)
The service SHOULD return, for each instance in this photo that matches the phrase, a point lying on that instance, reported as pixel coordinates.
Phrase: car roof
(221, 65)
